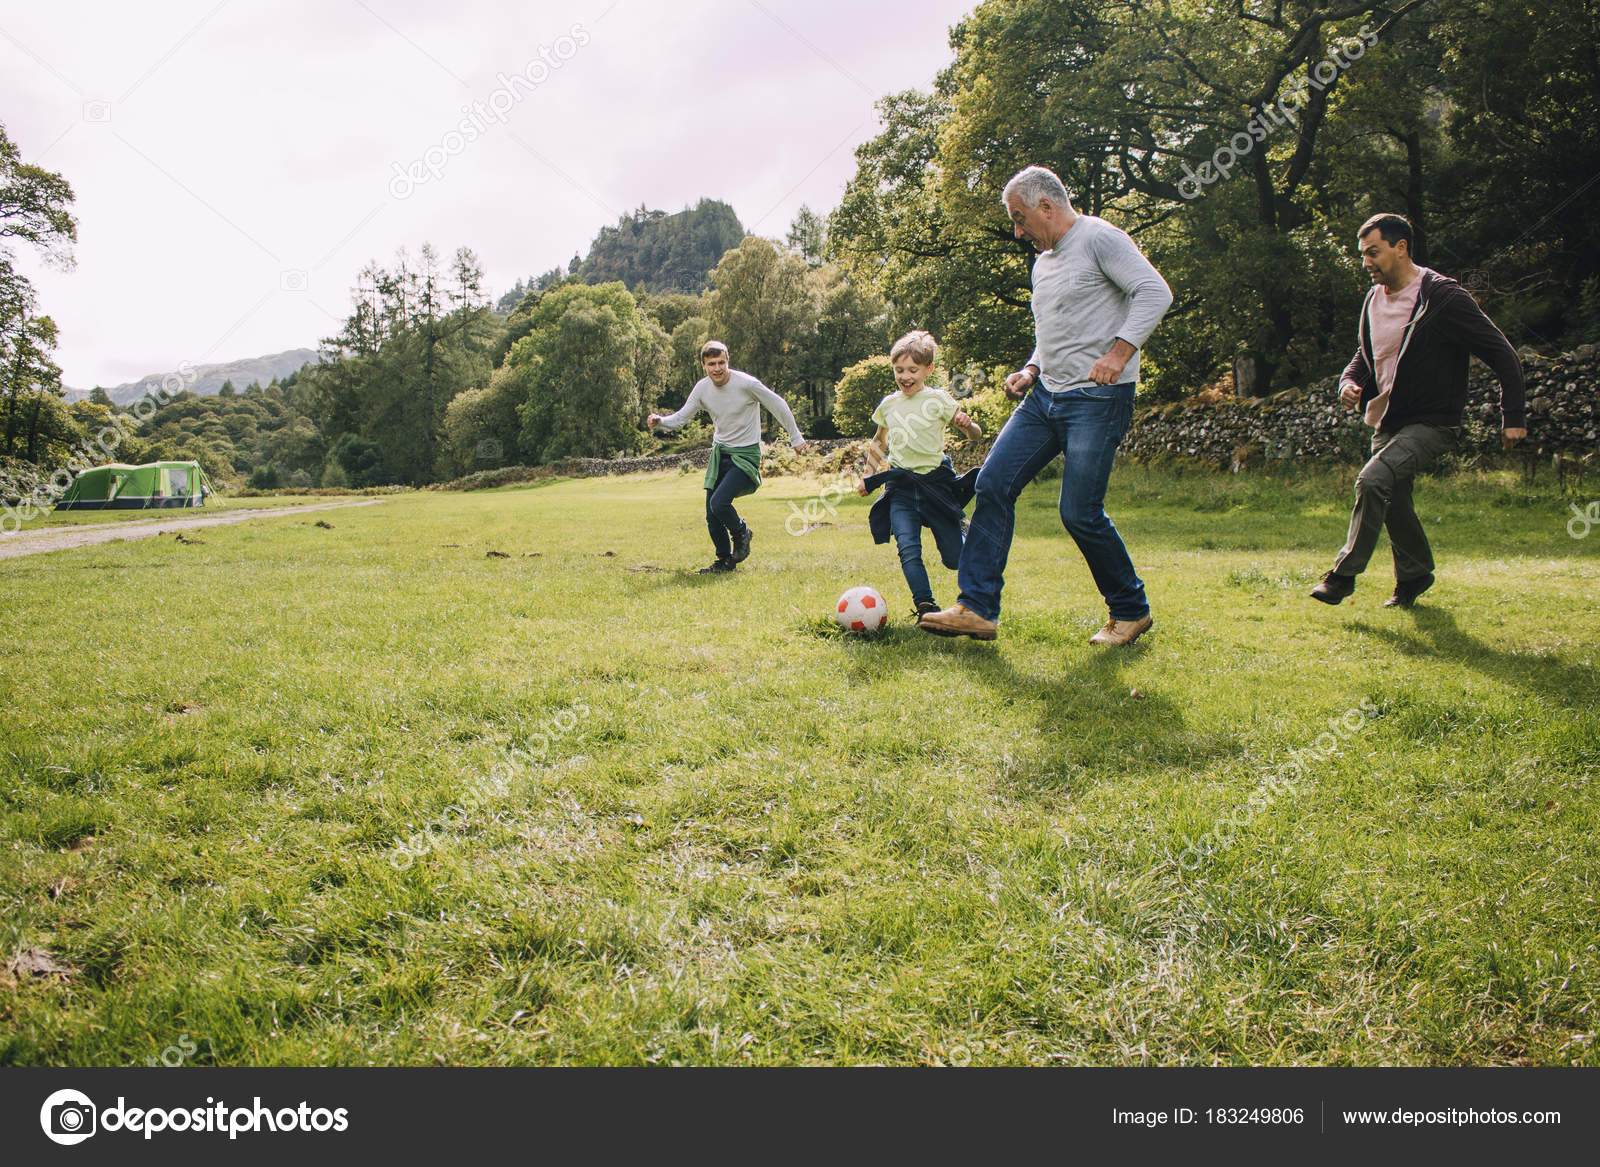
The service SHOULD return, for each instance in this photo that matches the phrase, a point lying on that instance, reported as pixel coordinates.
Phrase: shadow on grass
(1089, 724)
(1438, 636)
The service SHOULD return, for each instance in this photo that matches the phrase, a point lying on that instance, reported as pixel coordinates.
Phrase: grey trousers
(1383, 500)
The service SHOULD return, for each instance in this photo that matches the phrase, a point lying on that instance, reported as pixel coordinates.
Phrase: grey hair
(1033, 183)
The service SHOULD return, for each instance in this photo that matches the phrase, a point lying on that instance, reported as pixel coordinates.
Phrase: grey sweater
(1091, 288)
(735, 409)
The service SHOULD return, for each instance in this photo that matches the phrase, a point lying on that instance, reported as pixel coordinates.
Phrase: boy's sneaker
(741, 544)
(924, 608)
(718, 567)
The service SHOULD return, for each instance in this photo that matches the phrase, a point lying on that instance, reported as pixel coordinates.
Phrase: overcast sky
(236, 163)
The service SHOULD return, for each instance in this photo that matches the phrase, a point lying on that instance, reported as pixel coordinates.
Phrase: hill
(209, 378)
(663, 253)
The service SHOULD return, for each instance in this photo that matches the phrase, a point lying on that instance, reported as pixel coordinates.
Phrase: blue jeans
(905, 521)
(721, 519)
(1088, 425)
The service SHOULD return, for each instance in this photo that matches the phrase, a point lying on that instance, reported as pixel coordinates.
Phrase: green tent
(120, 487)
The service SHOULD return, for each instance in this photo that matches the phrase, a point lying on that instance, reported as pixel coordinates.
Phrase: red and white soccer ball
(861, 610)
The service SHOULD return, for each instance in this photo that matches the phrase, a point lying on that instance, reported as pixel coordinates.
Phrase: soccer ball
(861, 610)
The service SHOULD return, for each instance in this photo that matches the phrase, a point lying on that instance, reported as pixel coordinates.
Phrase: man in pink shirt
(1417, 332)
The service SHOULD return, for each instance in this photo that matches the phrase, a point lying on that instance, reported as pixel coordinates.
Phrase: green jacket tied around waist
(745, 458)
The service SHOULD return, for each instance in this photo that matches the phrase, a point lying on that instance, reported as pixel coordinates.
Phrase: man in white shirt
(734, 400)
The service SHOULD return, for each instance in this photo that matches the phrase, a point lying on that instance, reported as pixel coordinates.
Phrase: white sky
(235, 163)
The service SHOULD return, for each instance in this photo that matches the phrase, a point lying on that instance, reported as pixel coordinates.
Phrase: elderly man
(1409, 376)
(1096, 298)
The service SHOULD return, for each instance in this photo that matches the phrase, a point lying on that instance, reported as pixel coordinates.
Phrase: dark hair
(713, 348)
(1392, 227)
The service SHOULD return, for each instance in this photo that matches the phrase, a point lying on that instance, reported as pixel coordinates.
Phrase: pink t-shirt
(1388, 315)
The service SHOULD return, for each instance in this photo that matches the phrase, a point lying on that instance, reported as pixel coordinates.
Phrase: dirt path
(62, 539)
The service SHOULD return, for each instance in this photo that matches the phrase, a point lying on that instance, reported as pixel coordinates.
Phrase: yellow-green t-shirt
(916, 427)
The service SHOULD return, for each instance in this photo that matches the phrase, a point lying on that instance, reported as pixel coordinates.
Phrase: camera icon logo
(68, 1117)
(490, 450)
(293, 280)
(97, 111)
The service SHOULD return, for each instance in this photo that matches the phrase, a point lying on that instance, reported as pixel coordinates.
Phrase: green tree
(763, 305)
(1126, 99)
(808, 236)
(863, 385)
(590, 364)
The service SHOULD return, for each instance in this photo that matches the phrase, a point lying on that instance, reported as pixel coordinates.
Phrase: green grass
(256, 793)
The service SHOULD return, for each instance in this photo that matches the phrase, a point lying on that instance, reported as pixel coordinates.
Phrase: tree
(1127, 100)
(763, 305)
(808, 236)
(1522, 206)
(588, 366)
(33, 207)
(862, 387)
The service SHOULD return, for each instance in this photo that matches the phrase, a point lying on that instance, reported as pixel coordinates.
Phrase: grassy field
(369, 794)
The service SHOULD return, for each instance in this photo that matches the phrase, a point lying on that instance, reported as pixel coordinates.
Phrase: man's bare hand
(653, 420)
(1511, 436)
(1350, 393)
(1107, 369)
(1018, 384)
(800, 446)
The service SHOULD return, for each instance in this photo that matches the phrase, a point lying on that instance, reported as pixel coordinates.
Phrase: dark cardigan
(940, 495)
(1430, 383)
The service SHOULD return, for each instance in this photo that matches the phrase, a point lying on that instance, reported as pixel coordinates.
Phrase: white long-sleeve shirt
(1092, 288)
(735, 409)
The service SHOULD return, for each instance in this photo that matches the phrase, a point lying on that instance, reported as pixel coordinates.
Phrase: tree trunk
(1419, 230)
(13, 390)
(33, 428)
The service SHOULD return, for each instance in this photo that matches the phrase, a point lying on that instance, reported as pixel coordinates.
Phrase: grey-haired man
(1096, 298)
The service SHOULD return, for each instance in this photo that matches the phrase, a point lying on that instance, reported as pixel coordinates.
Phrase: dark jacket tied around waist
(939, 495)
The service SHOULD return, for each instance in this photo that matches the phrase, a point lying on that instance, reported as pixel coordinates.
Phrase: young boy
(734, 401)
(920, 487)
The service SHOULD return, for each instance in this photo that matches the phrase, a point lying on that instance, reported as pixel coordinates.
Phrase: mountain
(209, 378)
(663, 253)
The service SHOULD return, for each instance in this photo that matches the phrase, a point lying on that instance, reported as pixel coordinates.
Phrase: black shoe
(925, 608)
(1406, 591)
(741, 544)
(721, 565)
(1334, 587)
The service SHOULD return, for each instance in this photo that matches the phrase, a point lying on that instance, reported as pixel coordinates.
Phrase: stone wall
(1563, 406)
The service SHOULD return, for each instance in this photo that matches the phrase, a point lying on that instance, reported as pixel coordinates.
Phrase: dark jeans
(905, 520)
(1383, 500)
(721, 519)
(1088, 425)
